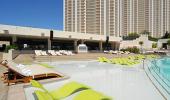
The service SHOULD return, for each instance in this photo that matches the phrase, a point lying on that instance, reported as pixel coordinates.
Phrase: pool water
(164, 65)
(160, 69)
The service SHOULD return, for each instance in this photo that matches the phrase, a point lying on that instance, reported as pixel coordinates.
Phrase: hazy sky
(34, 13)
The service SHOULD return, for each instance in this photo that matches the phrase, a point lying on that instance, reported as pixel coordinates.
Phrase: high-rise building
(117, 17)
(159, 17)
(85, 16)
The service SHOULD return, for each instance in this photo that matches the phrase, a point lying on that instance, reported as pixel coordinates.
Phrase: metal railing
(155, 65)
(152, 69)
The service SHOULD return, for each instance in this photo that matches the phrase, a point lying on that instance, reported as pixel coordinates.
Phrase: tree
(154, 45)
(141, 43)
(145, 32)
(166, 35)
(15, 47)
(168, 42)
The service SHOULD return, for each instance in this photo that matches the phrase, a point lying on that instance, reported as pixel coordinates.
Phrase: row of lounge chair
(116, 52)
(25, 73)
(83, 92)
(120, 61)
(53, 53)
(129, 61)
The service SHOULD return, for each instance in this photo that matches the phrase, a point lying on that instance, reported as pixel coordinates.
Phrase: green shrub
(168, 42)
(131, 49)
(11, 47)
(153, 39)
(154, 45)
(131, 36)
(145, 32)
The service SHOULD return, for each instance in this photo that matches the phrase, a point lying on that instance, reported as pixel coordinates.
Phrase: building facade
(117, 17)
(159, 17)
(39, 39)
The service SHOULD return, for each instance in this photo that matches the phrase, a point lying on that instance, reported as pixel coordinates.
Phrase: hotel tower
(117, 17)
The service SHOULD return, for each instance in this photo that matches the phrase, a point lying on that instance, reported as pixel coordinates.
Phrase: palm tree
(141, 44)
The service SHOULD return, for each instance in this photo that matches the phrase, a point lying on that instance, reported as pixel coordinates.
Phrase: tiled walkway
(3, 87)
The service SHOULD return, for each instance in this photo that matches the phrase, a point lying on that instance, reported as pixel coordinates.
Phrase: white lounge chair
(52, 52)
(65, 53)
(127, 52)
(44, 53)
(38, 52)
(105, 51)
(26, 73)
(115, 52)
(58, 53)
(70, 53)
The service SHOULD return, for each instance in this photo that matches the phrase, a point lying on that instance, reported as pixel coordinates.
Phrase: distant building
(117, 17)
(28, 38)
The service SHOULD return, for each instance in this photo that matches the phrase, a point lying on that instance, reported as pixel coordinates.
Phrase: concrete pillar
(14, 39)
(113, 45)
(82, 41)
(75, 45)
(117, 45)
(49, 44)
(101, 46)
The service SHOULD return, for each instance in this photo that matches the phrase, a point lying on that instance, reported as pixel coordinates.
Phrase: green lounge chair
(113, 61)
(84, 95)
(106, 60)
(46, 65)
(91, 95)
(100, 59)
(62, 92)
(131, 57)
(43, 95)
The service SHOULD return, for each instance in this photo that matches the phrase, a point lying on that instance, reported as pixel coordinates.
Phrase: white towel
(26, 71)
(20, 66)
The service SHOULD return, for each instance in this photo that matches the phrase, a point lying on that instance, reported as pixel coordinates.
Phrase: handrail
(156, 66)
(160, 78)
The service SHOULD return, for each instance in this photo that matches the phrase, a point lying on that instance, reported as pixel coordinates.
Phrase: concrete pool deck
(3, 87)
(115, 81)
(65, 61)
(29, 59)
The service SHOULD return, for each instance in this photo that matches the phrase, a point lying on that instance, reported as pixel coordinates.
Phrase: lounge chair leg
(27, 79)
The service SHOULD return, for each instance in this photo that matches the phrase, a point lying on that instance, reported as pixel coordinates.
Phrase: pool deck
(3, 87)
(17, 91)
(112, 80)
(29, 58)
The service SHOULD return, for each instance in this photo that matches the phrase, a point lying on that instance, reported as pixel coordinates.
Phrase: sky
(33, 13)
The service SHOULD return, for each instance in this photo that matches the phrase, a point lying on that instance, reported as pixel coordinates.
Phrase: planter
(154, 49)
(168, 47)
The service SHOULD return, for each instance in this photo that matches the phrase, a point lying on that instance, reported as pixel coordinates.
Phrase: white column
(101, 46)
(14, 39)
(49, 44)
(75, 46)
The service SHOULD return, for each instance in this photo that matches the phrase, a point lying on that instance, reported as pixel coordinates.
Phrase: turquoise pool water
(160, 69)
(163, 67)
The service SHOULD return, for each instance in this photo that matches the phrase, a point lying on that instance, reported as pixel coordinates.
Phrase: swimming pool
(160, 70)
(112, 80)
